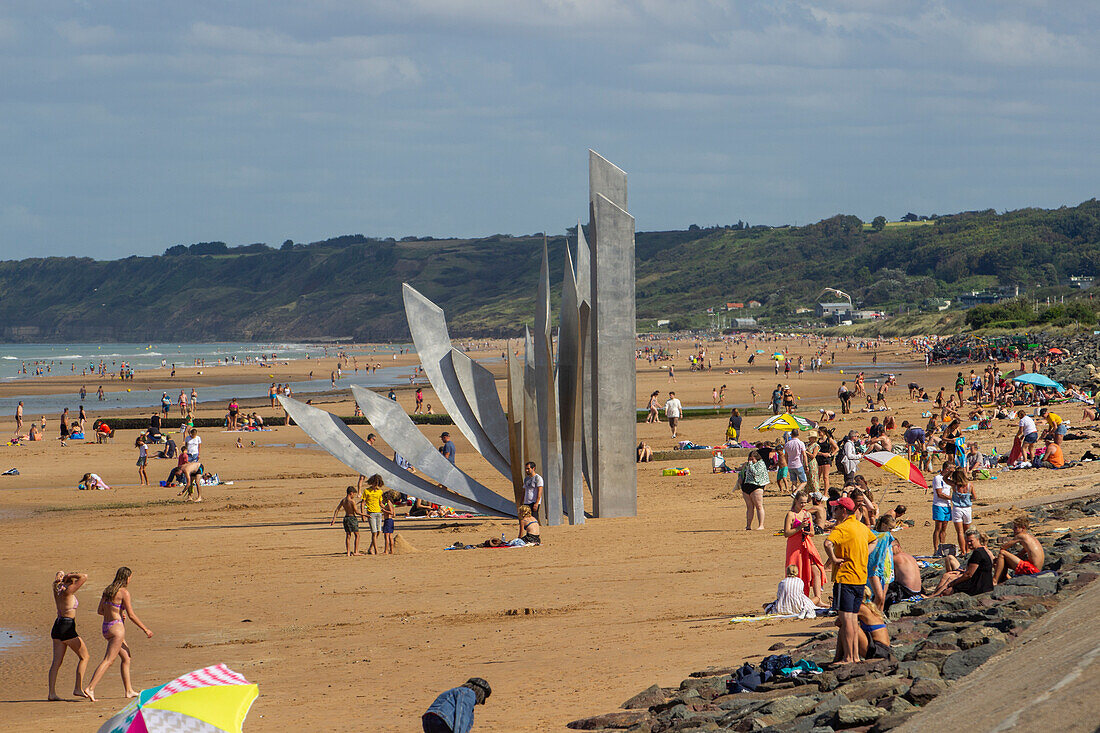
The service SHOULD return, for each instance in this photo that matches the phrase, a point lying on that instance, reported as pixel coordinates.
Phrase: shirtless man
(907, 580)
(351, 520)
(1029, 562)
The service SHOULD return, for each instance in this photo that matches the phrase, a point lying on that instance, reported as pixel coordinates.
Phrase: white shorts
(961, 514)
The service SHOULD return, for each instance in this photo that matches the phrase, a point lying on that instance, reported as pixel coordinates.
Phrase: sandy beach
(255, 576)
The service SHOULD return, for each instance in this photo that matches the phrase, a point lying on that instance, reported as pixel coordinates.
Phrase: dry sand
(255, 576)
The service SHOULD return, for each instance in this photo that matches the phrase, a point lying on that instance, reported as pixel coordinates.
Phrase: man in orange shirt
(1053, 456)
(848, 547)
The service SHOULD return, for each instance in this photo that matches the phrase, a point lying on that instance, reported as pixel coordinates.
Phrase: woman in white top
(791, 597)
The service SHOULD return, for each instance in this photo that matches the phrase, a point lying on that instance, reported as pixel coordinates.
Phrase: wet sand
(256, 578)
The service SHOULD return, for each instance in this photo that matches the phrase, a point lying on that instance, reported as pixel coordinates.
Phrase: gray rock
(826, 681)
(1049, 583)
(648, 697)
(898, 610)
(707, 687)
(830, 704)
(873, 689)
(788, 708)
(978, 635)
(620, 720)
(904, 652)
(849, 716)
(822, 729)
(891, 721)
(901, 705)
(925, 690)
(941, 640)
(966, 661)
(918, 668)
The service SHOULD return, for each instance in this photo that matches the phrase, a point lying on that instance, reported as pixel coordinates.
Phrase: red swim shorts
(1024, 567)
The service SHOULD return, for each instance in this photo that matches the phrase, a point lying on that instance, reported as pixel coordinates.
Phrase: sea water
(148, 356)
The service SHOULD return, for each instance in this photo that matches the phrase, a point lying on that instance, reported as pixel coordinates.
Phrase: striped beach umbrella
(897, 465)
(785, 421)
(210, 700)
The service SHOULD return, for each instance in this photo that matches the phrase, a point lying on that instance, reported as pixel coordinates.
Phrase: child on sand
(782, 471)
(389, 511)
(143, 456)
(351, 521)
(370, 504)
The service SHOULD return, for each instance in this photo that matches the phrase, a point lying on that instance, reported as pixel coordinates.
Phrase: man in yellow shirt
(1056, 426)
(370, 504)
(847, 547)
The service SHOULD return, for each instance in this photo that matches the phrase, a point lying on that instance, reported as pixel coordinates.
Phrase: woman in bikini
(528, 526)
(114, 606)
(64, 633)
(798, 528)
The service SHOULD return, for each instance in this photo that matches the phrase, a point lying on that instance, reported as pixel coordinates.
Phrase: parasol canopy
(209, 700)
(1039, 380)
(786, 421)
(897, 465)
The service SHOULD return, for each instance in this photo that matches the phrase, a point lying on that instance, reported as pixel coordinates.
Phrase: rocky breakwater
(935, 642)
(1080, 365)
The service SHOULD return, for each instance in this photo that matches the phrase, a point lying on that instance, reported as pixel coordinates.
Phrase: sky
(129, 126)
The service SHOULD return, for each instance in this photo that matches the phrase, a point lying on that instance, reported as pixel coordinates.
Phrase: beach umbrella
(778, 357)
(1039, 380)
(761, 351)
(210, 700)
(897, 465)
(785, 421)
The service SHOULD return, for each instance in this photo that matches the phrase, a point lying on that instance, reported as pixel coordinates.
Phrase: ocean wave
(10, 358)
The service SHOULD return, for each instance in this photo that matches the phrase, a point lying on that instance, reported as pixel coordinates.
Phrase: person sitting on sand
(791, 598)
(1052, 455)
(528, 526)
(34, 433)
(1031, 555)
(977, 577)
(907, 580)
(93, 482)
(644, 452)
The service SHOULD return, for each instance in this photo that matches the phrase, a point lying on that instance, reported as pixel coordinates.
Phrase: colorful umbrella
(1039, 380)
(210, 700)
(786, 421)
(897, 465)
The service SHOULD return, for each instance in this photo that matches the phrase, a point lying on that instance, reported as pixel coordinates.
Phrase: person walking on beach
(419, 401)
(99, 393)
(673, 412)
(370, 505)
(194, 401)
(351, 521)
(654, 408)
(165, 404)
(143, 456)
(796, 460)
(64, 634)
(453, 710)
(19, 417)
(115, 606)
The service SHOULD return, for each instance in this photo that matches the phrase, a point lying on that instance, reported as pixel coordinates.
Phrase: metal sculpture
(571, 412)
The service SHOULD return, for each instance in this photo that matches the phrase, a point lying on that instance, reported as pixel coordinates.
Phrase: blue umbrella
(1039, 380)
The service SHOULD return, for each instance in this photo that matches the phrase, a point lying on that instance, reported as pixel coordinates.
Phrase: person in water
(64, 633)
(114, 606)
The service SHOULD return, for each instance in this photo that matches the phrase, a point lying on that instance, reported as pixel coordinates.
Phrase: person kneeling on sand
(873, 639)
(453, 710)
(1028, 562)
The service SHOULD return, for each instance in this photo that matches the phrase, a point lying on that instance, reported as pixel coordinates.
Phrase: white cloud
(85, 35)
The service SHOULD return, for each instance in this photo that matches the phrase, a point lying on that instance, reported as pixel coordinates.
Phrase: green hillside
(349, 286)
